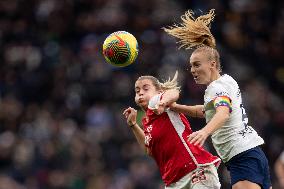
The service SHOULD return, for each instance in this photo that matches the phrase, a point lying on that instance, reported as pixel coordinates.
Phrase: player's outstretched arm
(218, 120)
(131, 115)
(192, 111)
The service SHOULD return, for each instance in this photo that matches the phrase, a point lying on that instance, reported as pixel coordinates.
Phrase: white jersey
(235, 136)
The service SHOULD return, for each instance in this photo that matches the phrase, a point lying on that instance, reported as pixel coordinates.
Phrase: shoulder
(228, 79)
(221, 86)
(216, 89)
(225, 80)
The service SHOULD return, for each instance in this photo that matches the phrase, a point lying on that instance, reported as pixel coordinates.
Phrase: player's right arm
(131, 115)
(192, 111)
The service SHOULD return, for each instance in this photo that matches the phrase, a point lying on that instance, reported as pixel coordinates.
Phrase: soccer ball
(120, 48)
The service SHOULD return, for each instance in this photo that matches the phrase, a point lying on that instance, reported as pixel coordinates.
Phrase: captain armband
(223, 101)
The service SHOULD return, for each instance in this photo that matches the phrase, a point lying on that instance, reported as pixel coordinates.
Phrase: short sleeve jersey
(235, 136)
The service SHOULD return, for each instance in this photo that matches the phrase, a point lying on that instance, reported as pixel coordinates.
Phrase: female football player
(181, 164)
(226, 121)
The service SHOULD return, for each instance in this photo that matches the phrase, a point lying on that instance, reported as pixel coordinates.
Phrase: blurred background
(61, 123)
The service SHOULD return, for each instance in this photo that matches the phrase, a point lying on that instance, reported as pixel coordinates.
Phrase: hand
(198, 137)
(160, 107)
(172, 106)
(130, 115)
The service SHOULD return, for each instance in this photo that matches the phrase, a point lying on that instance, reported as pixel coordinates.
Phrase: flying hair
(168, 84)
(171, 83)
(193, 32)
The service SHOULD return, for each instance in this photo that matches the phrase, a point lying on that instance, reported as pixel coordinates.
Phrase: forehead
(142, 82)
(198, 57)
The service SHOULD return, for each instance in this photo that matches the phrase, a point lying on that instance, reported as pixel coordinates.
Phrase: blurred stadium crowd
(61, 124)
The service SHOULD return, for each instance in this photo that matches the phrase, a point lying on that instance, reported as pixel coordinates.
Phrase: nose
(140, 93)
(192, 70)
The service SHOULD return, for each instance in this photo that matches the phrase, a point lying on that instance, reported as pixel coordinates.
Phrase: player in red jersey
(164, 137)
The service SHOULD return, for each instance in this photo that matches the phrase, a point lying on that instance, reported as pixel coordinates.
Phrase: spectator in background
(279, 170)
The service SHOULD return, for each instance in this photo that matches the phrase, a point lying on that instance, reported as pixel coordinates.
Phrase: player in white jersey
(226, 120)
(235, 135)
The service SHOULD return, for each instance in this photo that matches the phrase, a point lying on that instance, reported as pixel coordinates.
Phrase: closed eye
(146, 87)
(137, 89)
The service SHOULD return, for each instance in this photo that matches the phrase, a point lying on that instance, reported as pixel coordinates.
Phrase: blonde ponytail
(171, 83)
(193, 32)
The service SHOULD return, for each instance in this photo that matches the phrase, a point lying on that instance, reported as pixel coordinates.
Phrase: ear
(213, 64)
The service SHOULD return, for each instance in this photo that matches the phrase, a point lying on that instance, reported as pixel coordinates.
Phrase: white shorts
(201, 178)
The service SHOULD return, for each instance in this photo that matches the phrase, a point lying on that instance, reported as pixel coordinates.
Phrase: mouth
(142, 103)
(195, 77)
(140, 100)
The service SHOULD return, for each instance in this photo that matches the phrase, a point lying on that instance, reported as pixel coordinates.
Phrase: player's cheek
(137, 101)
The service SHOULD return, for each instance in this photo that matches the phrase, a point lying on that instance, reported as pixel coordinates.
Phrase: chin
(143, 106)
(198, 82)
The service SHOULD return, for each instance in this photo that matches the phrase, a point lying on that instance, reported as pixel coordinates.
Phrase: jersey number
(247, 129)
(244, 116)
(198, 176)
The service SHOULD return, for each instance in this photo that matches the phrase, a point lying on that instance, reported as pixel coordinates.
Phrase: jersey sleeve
(154, 101)
(220, 97)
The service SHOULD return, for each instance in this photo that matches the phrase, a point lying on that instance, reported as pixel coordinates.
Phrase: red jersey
(166, 139)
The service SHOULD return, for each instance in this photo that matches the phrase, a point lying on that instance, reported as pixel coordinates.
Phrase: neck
(214, 76)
